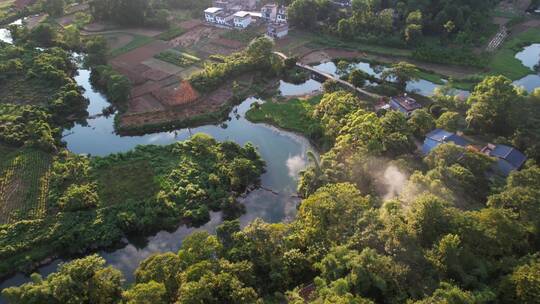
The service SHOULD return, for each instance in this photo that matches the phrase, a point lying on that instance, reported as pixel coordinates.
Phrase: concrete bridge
(322, 76)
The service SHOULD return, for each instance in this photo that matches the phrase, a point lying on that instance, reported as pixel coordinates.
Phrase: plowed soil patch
(143, 53)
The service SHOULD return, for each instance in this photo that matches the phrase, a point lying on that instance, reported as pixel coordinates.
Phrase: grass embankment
(292, 115)
(504, 61)
(318, 40)
(23, 183)
(137, 42)
(171, 33)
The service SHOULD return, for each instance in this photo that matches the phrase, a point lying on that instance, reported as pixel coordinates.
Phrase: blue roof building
(508, 158)
(438, 137)
(404, 104)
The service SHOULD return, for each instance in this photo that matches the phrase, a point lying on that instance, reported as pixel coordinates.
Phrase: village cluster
(508, 158)
(242, 14)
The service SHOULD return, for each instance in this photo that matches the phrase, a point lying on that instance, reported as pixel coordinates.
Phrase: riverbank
(291, 114)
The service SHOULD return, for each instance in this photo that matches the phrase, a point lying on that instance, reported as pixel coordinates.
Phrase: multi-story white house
(277, 30)
(269, 12)
(224, 17)
(211, 13)
(242, 19)
(281, 15)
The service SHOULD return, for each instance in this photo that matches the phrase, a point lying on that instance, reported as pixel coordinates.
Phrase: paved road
(332, 77)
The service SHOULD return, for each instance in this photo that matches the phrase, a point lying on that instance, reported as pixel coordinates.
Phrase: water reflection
(307, 88)
(284, 153)
(5, 34)
(530, 56)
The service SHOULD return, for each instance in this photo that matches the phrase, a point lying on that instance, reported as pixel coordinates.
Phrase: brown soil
(329, 54)
(141, 54)
(229, 43)
(145, 103)
(204, 104)
(155, 75)
(177, 95)
(132, 72)
(524, 26)
(194, 35)
(190, 24)
(33, 21)
(116, 41)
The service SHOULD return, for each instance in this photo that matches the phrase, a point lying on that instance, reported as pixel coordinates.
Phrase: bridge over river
(324, 76)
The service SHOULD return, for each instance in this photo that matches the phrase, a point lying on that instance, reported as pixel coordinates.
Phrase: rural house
(508, 158)
(438, 137)
(269, 12)
(242, 19)
(277, 30)
(211, 13)
(224, 17)
(281, 14)
(404, 104)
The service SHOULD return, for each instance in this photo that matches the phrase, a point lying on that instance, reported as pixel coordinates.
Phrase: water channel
(284, 153)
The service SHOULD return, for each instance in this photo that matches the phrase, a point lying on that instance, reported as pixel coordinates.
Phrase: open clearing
(23, 183)
(158, 94)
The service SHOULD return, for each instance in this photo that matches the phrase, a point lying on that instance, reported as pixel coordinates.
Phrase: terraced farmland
(24, 177)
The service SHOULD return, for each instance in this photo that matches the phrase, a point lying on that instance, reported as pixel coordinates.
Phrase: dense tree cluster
(116, 86)
(343, 247)
(132, 13)
(193, 177)
(411, 19)
(28, 126)
(55, 97)
(429, 27)
(256, 57)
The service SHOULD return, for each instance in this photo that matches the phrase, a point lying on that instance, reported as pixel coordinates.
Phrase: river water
(284, 153)
(530, 56)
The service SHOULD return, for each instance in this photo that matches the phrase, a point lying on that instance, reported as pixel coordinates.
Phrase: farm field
(157, 66)
(24, 177)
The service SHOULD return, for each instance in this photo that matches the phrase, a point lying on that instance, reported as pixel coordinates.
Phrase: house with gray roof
(508, 158)
(438, 137)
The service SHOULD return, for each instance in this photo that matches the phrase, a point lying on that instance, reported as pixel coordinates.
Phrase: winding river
(275, 201)
(284, 153)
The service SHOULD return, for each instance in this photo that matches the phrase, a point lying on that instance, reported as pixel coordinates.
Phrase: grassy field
(293, 115)
(171, 33)
(504, 61)
(25, 91)
(23, 183)
(132, 179)
(137, 42)
(5, 5)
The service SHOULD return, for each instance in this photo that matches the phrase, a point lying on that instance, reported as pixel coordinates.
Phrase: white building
(281, 15)
(211, 13)
(242, 19)
(277, 30)
(224, 18)
(269, 12)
